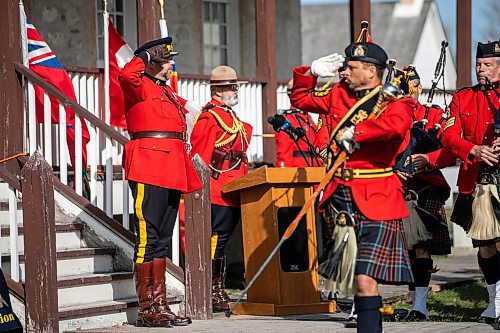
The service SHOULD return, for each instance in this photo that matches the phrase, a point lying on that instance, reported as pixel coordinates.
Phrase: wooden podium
(270, 199)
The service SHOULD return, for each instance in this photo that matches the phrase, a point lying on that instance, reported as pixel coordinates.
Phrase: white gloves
(348, 140)
(327, 66)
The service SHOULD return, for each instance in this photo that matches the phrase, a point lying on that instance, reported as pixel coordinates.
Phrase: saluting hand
(157, 53)
(327, 66)
(487, 154)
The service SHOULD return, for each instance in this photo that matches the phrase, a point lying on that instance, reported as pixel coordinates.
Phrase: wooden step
(92, 279)
(76, 226)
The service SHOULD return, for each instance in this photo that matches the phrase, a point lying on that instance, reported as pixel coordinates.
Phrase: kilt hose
(224, 221)
(432, 199)
(155, 211)
(382, 250)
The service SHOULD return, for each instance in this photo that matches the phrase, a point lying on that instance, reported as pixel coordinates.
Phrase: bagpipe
(423, 140)
(427, 140)
(371, 106)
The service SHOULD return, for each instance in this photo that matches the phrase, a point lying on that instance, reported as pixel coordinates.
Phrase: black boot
(369, 316)
(220, 300)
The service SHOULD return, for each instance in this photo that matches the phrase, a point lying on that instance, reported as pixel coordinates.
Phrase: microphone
(281, 124)
(281, 112)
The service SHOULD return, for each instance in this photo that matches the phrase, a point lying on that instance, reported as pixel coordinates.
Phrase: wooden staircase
(94, 278)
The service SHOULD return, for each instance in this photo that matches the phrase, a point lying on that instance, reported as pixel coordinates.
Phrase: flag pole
(24, 37)
(107, 114)
(163, 22)
(105, 32)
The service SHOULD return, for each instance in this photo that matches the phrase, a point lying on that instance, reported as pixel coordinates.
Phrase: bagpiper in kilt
(472, 134)
(426, 187)
(374, 189)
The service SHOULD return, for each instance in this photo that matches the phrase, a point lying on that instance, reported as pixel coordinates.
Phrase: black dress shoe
(351, 322)
(486, 320)
(496, 324)
(415, 315)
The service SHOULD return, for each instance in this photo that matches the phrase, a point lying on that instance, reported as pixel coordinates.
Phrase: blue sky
(484, 28)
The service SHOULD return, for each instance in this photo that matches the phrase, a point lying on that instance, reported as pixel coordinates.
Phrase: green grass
(464, 303)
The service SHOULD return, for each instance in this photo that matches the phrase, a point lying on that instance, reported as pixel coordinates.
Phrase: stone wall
(69, 27)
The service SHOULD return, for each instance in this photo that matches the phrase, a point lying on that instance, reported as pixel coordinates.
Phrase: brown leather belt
(158, 135)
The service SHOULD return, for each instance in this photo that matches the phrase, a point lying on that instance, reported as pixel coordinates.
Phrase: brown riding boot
(220, 299)
(160, 294)
(147, 315)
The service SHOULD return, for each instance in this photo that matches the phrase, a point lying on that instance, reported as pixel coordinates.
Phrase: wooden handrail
(15, 287)
(9, 178)
(79, 110)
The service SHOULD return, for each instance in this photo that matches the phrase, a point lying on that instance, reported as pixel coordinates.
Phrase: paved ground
(454, 271)
(325, 324)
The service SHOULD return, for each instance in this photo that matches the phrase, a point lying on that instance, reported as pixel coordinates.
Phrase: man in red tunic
(365, 186)
(470, 133)
(300, 154)
(221, 139)
(431, 189)
(158, 169)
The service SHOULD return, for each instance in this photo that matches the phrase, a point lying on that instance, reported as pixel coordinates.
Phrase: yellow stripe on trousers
(214, 239)
(143, 234)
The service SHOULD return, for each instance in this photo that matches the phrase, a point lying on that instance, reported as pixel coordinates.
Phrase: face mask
(229, 100)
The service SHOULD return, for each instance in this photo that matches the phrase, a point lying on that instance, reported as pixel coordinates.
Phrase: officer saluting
(365, 186)
(221, 139)
(469, 133)
(157, 127)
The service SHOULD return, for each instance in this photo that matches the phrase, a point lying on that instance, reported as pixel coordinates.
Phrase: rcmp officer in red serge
(158, 169)
(221, 139)
(432, 190)
(470, 133)
(373, 195)
(287, 152)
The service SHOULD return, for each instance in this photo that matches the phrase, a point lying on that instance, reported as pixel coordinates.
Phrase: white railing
(51, 141)
(12, 221)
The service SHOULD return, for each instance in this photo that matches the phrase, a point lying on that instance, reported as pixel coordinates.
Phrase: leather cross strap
(158, 135)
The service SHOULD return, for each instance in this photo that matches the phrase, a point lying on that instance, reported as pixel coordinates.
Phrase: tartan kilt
(430, 199)
(382, 250)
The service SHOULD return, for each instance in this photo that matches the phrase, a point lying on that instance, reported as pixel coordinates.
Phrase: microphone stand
(305, 138)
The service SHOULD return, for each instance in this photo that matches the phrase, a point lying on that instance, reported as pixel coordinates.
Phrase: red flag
(119, 54)
(43, 62)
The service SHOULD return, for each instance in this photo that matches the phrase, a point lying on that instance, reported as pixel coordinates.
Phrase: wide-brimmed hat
(224, 76)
